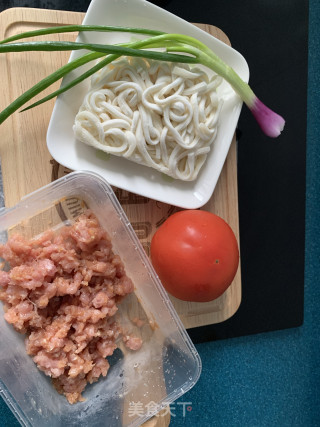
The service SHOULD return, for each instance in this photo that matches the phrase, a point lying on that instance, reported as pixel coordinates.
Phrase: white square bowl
(121, 172)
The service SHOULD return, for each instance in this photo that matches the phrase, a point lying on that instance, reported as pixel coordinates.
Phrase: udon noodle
(157, 114)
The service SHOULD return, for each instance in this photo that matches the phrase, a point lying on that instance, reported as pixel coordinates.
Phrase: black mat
(272, 36)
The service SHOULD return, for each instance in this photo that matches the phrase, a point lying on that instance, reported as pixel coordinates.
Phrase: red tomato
(195, 254)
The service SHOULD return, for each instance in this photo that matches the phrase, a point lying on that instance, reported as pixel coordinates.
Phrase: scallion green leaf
(79, 28)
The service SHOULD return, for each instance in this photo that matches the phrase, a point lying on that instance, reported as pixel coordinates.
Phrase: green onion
(101, 48)
(57, 75)
(97, 67)
(64, 88)
(175, 45)
(46, 82)
(79, 28)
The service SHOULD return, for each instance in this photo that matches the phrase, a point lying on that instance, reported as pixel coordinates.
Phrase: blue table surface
(270, 379)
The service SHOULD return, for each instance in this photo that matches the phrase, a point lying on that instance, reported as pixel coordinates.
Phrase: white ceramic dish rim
(120, 172)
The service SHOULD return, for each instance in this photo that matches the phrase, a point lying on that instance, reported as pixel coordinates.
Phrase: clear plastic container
(139, 383)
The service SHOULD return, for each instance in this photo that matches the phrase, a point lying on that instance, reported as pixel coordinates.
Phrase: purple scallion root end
(270, 122)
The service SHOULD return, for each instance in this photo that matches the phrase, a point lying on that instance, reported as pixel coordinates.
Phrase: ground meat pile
(62, 290)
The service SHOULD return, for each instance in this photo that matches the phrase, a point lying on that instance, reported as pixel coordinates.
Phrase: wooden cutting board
(27, 164)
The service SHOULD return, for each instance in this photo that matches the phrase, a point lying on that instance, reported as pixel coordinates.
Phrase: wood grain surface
(27, 164)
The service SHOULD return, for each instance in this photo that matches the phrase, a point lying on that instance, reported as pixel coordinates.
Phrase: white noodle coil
(158, 114)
